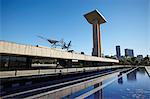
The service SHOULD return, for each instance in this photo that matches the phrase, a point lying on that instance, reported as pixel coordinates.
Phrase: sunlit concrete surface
(29, 50)
(96, 18)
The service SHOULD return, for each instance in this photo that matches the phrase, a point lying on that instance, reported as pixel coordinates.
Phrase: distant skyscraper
(129, 52)
(118, 53)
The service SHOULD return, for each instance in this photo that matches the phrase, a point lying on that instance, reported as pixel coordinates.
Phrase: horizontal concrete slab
(20, 49)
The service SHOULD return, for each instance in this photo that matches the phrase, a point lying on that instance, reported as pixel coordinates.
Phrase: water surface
(135, 85)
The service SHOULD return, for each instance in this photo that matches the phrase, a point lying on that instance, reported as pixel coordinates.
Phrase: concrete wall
(20, 49)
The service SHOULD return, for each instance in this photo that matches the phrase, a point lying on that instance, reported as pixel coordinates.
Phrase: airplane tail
(69, 44)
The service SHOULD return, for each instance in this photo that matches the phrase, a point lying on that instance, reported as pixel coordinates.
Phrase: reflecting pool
(134, 85)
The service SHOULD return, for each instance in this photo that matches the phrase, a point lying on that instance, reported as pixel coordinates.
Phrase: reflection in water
(98, 94)
(132, 76)
(120, 80)
(135, 86)
(141, 71)
(132, 86)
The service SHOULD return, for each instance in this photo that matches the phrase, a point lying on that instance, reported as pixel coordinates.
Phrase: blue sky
(128, 23)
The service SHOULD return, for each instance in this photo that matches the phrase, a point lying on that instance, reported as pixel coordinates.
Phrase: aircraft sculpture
(53, 42)
(60, 43)
(66, 46)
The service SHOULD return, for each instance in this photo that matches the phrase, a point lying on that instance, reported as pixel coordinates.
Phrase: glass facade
(13, 62)
(129, 52)
(17, 62)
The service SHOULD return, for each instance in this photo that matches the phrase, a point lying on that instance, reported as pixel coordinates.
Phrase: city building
(118, 53)
(129, 53)
(96, 18)
(139, 57)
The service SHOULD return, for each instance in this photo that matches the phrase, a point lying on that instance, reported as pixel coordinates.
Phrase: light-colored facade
(29, 50)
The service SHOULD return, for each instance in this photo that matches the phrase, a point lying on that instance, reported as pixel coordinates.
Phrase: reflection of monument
(132, 76)
(120, 80)
(98, 94)
(95, 18)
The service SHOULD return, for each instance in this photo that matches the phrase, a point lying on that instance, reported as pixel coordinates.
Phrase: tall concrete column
(95, 18)
(96, 51)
